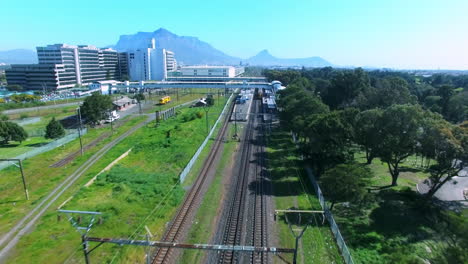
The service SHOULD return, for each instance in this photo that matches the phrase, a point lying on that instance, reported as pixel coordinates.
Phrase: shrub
(54, 129)
(23, 116)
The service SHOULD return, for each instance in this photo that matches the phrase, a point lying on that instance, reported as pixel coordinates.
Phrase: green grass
(291, 189)
(14, 149)
(8, 106)
(125, 195)
(410, 174)
(48, 113)
(41, 178)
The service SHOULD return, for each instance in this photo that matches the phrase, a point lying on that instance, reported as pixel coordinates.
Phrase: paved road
(451, 190)
(37, 108)
(241, 112)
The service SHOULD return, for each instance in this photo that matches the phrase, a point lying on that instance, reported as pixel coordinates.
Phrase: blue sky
(393, 33)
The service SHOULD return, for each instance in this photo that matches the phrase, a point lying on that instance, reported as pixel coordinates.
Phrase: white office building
(150, 63)
(207, 71)
(63, 66)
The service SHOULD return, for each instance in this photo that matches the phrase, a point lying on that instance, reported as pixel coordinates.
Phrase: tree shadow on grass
(8, 145)
(410, 169)
(35, 145)
(10, 202)
(401, 213)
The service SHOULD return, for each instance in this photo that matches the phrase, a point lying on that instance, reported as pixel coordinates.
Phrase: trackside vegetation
(142, 189)
(383, 123)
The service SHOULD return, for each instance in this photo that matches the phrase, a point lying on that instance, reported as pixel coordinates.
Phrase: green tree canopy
(139, 97)
(448, 146)
(54, 129)
(328, 141)
(367, 132)
(345, 183)
(12, 131)
(96, 107)
(399, 133)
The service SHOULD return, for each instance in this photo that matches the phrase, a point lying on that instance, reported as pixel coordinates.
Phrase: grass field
(410, 172)
(291, 189)
(41, 178)
(14, 149)
(141, 190)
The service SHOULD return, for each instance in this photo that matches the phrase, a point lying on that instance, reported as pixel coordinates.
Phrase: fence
(328, 215)
(54, 144)
(188, 167)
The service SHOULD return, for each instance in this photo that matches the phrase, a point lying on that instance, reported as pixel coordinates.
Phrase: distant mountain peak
(188, 50)
(264, 58)
(164, 32)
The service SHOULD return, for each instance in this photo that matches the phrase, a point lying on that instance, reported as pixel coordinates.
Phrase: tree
(345, 87)
(399, 133)
(139, 97)
(210, 101)
(457, 109)
(12, 131)
(345, 183)
(448, 146)
(454, 226)
(445, 92)
(366, 132)
(328, 141)
(14, 87)
(54, 129)
(96, 107)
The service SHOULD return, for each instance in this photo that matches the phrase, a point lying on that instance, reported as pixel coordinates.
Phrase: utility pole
(26, 193)
(79, 130)
(83, 230)
(206, 108)
(111, 121)
(235, 122)
(301, 231)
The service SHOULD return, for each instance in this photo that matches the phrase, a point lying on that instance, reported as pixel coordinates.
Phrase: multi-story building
(207, 71)
(40, 76)
(123, 65)
(70, 65)
(150, 63)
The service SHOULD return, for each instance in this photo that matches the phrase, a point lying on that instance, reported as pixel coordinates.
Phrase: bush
(54, 129)
(199, 114)
(23, 116)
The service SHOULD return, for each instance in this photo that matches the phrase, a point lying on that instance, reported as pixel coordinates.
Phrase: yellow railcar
(165, 100)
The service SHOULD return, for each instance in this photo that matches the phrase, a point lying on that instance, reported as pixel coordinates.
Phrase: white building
(207, 71)
(150, 63)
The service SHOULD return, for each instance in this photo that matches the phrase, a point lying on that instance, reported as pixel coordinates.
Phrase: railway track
(246, 217)
(259, 237)
(178, 224)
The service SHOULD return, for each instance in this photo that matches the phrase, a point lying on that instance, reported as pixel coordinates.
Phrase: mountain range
(188, 51)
